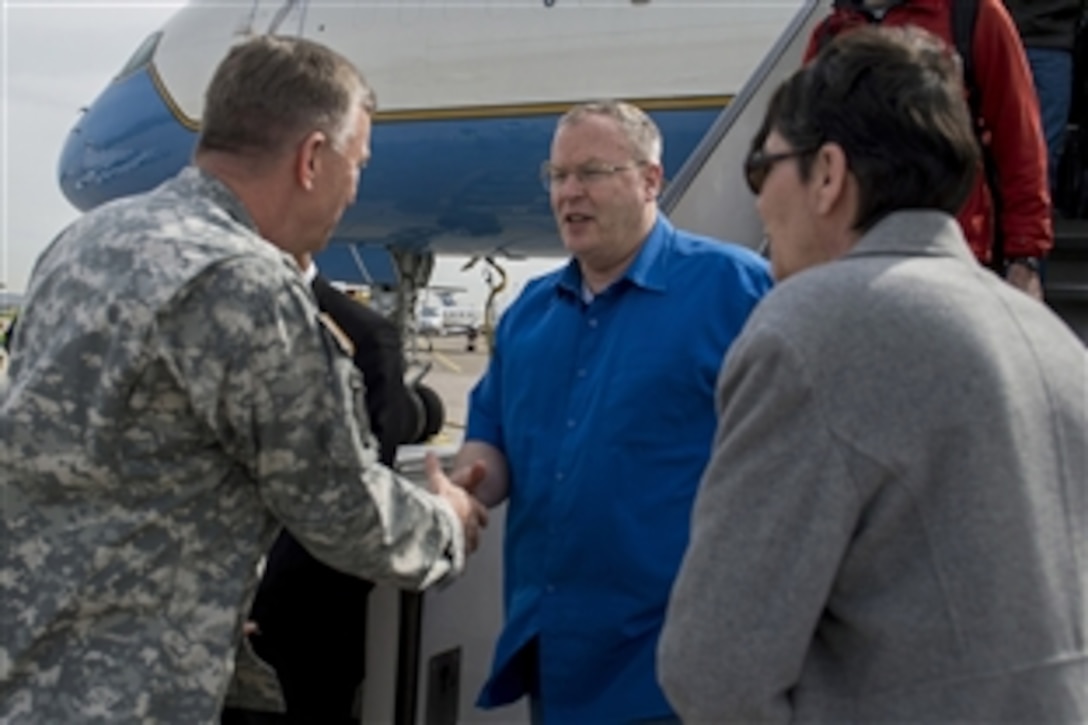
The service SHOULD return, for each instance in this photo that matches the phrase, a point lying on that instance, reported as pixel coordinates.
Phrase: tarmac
(452, 371)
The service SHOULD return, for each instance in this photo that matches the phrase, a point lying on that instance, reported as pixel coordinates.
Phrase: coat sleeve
(1011, 115)
(772, 519)
(284, 401)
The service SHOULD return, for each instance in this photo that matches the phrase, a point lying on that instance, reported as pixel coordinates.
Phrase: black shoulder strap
(964, 17)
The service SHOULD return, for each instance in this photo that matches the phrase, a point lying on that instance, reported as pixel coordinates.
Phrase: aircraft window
(143, 54)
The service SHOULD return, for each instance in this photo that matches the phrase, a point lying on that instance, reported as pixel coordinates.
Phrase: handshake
(459, 490)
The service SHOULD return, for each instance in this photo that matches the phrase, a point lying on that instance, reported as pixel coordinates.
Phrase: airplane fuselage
(468, 96)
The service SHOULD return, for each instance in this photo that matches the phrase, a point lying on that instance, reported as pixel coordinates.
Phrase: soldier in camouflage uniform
(173, 398)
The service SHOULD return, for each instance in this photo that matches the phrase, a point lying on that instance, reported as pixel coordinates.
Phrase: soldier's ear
(308, 158)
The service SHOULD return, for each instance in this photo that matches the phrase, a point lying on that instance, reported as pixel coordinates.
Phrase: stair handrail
(676, 188)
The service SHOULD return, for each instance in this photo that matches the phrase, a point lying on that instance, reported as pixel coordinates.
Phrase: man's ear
(654, 178)
(829, 177)
(308, 159)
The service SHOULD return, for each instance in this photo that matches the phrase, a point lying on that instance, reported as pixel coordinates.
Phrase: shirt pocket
(654, 401)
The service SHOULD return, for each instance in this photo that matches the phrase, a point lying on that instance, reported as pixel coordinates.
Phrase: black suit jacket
(379, 355)
(312, 618)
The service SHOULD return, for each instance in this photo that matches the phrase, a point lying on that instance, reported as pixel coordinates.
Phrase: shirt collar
(647, 270)
(310, 273)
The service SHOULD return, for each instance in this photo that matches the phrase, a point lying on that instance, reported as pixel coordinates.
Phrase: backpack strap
(964, 16)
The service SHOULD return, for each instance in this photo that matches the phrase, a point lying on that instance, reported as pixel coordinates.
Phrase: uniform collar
(197, 181)
(194, 181)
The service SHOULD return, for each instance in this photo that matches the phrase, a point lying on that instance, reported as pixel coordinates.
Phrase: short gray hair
(641, 132)
(269, 91)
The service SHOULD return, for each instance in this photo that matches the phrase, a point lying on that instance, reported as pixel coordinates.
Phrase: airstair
(1066, 276)
(709, 194)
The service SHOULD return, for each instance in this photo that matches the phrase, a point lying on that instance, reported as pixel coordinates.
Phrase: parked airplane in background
(439, 313)
(468, 94)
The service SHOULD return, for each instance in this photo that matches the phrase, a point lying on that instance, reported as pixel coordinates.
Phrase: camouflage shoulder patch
(342, 340)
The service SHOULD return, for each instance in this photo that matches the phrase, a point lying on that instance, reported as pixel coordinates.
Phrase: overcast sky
(56, 57)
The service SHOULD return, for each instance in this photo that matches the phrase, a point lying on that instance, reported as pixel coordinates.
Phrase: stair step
(1067, 269)
(1070, 237)
(1067, 292)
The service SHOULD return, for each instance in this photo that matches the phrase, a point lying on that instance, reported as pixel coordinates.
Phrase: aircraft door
(275, 17)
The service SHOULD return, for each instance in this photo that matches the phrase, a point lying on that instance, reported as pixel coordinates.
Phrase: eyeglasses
(759, 163)
(552, 176)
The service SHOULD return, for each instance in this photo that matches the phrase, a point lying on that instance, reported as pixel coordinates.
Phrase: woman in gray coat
(892, 526)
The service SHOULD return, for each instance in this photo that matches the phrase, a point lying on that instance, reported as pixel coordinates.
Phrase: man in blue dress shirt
(595, 420)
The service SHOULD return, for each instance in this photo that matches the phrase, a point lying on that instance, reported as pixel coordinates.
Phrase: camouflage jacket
(171, 399)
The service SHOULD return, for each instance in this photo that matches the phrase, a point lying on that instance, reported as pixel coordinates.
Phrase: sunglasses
(759, 164)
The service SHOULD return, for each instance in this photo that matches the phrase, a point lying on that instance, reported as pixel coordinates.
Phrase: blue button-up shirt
(605, 413)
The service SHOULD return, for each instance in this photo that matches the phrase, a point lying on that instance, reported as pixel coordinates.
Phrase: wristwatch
(1031, 263)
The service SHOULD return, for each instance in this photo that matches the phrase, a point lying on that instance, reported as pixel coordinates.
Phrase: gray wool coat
(894, 522)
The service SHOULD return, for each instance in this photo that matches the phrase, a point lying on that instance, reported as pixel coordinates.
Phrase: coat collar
(913, 233)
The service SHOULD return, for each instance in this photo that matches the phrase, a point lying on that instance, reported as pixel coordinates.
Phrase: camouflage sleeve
(276, 392)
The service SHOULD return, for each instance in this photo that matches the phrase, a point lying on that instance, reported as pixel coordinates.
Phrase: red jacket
(1010, 117)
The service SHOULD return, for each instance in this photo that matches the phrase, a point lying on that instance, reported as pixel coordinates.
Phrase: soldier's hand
(471, 512)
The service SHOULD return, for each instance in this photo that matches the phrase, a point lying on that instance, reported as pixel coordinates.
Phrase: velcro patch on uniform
(338, 334)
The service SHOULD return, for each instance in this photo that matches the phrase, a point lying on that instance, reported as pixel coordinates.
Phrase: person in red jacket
(1010, 128)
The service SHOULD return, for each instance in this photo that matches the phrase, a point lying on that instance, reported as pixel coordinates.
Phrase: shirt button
(570, 423)
(559, 476)
(592, 322)
(581, 372)
(550, 589)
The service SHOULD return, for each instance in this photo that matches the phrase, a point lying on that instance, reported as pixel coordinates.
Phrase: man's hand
(481, 469)
(1026, 279)
(469, 477)
(472, 513)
